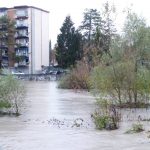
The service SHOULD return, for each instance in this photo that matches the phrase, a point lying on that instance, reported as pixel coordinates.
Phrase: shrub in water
(11, 94)
(78, 78)
(107, 116)
(136, 128)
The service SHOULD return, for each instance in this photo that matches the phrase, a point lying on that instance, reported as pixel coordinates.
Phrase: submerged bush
(78, 78)
(107, 116)
(136, 128)
(101, 122)
(11, 94)
(65, 82)
(105, 122)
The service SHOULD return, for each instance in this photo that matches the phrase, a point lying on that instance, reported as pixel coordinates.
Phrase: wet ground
(50, 119)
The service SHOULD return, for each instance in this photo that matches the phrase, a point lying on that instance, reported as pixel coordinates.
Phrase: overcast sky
(59, 9)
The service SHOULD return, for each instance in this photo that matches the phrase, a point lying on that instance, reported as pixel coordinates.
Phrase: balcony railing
(21, 16)
(3, 27)
(21, 45)
(4, 54)
(21, 26)
(22, 54)
(3, 13)
(5, 63)
(4, 46)
(23, 63)
(21, 36)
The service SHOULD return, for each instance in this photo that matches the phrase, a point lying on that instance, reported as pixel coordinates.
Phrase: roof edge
(23, 6)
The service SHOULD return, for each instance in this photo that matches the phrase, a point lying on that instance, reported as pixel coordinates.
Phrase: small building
(31, 38)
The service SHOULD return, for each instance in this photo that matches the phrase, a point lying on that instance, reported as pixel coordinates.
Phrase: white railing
(21, 44)
(21, 54)
(22, 25)
(23, 63)
(4, 54)
(21, 34)
(3, 44)
(21, 14)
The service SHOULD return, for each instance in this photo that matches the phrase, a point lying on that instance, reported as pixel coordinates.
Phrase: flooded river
(49, 122)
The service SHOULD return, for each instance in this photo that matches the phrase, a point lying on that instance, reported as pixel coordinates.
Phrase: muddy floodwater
(56, 119)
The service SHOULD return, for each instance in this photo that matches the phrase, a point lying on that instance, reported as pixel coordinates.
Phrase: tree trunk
(135, 90)
(1, 56)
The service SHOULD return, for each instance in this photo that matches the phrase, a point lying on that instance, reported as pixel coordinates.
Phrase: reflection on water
(47, 123)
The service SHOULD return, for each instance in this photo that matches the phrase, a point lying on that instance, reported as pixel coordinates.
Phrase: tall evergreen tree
(68, 48)
(90, 22)
(104, 35)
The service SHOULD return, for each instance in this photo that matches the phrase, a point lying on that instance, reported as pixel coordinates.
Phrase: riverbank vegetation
(114, 66)
(77, 78)
(11, 95)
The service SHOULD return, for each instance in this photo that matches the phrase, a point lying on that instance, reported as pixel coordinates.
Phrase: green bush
(100, 121)
(4, 104)
(11, 93)
(107, 116)
(105, 121)
(122, 83)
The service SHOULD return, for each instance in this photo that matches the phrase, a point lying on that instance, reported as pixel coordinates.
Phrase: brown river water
(49, 118)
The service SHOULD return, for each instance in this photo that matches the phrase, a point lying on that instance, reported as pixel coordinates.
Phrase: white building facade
(31, 37)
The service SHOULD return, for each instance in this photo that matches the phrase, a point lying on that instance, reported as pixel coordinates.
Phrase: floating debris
(76, 123)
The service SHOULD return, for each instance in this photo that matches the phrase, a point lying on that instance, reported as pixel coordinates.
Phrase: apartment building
(31, 38)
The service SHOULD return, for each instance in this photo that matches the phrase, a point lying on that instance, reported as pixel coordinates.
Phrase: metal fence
(39, 77)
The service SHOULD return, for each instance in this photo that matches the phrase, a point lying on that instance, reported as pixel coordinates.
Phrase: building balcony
(21, 36)
(3, 46)
(23, 63)
(21, 45)
(21, 26)
(25, 54)
(5, 55)
(5, 63)
(22, 53)
(4, 38)
(3, 28)
(3, 12)
(21, 16)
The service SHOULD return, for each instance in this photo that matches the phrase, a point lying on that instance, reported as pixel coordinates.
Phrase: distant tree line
(117, 64)
(114, 66)
(93, 37)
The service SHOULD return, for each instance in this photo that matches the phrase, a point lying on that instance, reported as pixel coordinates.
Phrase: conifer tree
(68, 49)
